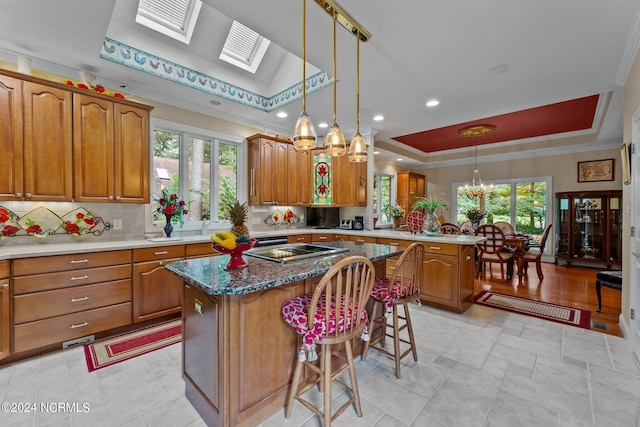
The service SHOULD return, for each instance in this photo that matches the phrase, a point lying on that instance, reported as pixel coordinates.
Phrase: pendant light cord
(335, 75)
(358, 82)
(304, 55)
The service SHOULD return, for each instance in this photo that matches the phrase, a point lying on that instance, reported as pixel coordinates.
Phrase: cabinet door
(11, 174)
(299, 182)
(299, 238)
(47, 143)
(266, 174)
(131, 151)
(360, 171)
(254, 172)
(440, 279)
(342, 181)
(156, 291)
(4, 309)
(92, 148)
(281, 173)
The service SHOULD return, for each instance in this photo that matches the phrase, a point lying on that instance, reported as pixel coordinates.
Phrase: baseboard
(626, 332)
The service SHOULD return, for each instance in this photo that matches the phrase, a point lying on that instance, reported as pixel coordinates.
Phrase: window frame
(392, 197)
(186, 132)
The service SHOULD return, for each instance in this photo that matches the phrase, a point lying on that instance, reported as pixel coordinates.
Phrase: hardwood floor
(569, 286)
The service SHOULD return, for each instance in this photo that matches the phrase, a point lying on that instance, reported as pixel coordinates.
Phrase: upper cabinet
(299, 188)
(349, 181)
(111, 148)
(268, 172)
(36, 137)
(64, 143)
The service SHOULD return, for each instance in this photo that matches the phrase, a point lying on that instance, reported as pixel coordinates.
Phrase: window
(201, 166)
(381, 196)
(173, 18)
(523, 203)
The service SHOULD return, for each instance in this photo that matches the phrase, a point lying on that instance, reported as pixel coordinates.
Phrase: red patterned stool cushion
(296, 310)
(381, 291)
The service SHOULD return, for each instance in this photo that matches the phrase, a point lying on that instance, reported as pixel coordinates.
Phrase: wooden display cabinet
(589, 227)
(410, 187)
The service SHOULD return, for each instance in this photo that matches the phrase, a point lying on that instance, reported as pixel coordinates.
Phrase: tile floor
(483, 368)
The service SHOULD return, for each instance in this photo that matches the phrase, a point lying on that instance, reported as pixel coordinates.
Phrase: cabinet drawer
(158, 252)
(393, 242)
(363, 239)
(4, 269)
(65, 279)
(42, 305)
(53, 263)
(299, 238)
(63, 328)
(200, 249)
(440, 248)
(324, 237)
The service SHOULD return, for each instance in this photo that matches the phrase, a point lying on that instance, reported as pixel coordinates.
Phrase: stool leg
(326, 377)
(353, 377)
(412, 341)
(372, 328)
(599, 294)
(297, 374)
(396, 340)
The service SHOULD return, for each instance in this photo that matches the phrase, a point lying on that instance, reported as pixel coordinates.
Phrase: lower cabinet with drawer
(156, 291)
(447, 276)
(5, 315)
(64, 297)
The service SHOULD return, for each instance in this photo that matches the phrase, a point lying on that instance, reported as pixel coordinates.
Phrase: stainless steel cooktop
(293, 252)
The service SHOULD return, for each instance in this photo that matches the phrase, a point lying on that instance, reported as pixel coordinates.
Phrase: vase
(168, 227)
(431, 224)
(396, 223)
(474, 226)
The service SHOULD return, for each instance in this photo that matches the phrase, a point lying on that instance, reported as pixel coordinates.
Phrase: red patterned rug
(552, 312)
(123, 347)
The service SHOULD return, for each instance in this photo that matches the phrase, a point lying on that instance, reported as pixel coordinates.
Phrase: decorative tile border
(129, 56)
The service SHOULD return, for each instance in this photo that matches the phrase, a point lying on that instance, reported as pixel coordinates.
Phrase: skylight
(244, 47)
(173, 18)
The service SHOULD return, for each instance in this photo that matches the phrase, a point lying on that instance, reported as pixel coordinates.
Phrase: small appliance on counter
(346, 224)
(358, 223)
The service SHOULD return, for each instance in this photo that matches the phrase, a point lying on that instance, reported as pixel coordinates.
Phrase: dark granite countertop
(208, 274)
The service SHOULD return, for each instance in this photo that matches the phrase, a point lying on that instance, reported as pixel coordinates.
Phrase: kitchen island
(238, 353)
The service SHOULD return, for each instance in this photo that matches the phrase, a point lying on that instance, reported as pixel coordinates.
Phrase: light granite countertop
(86, 245)
(208, 274)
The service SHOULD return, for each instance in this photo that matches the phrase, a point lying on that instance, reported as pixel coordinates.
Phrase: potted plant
(475, 215)
(429, 204)
(395, 213)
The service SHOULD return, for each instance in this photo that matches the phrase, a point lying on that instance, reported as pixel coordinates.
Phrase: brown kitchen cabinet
(410, 186)
(5, 315)
(64, 297)
(299, 238)
(349, 182)
(299, 182)
(268, 172)
(111, 150)
(36, 140)
(156, 291)
(197, 250)
(323, 237)
(361, 239)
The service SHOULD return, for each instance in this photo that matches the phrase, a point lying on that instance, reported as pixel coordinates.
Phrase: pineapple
(238, 216)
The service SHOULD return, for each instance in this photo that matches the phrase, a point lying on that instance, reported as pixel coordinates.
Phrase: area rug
(110, 351)
(543, 310)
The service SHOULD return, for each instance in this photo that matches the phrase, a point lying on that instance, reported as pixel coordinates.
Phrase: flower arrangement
(94, 88)
(429, 204)
(475, 215)
(171, 206)
(396, 211)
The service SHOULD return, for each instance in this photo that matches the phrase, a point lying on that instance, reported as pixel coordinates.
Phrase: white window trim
(215, 137)
(392, 198)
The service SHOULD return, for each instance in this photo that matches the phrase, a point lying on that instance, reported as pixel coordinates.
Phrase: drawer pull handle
(300, 239)
(5, 286)
(79, 299)
(79, 325)
(393, 243)
(322, 238)
(78, 261)
(161, 253)
(79, 277)
(435, 248)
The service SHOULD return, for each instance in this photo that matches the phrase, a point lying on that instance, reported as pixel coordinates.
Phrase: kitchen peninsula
(238, 354)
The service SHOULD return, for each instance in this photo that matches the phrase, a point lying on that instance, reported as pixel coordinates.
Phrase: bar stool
(388, 293)
(320, 321)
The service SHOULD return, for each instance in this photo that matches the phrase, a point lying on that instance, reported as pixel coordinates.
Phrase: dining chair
(535, 254)
(505, 227)
(449, 228)
(333, 314)
(491, 250)
(388, 294)
(466, 227)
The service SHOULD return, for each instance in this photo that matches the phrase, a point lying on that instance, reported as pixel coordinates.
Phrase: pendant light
(304, 134)
(477, 189)
(357, 149)
(334, 144)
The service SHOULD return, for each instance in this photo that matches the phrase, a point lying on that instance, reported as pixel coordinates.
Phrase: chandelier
(477, 188)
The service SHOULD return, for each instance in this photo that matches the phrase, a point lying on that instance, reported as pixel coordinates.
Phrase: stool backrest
(349, 282)
(407, 274)
(449, 228)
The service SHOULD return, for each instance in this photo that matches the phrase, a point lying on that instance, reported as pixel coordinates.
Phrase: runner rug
(110, 351)
(543, 310)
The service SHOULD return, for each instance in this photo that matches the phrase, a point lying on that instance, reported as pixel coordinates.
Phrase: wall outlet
(117, 224)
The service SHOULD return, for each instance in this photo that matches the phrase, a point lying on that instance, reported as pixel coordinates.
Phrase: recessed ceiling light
(376, 152)
(432, 102)
(498, 69)
(399, 159)
(378, 117)
(281, 114)
(323, 125)
(215, 102)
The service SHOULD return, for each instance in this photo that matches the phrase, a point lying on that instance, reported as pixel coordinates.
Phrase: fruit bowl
(236, 260)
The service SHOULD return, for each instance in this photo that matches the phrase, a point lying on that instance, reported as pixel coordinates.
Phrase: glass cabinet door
(588, 228)
(563, 226)
(615, 230)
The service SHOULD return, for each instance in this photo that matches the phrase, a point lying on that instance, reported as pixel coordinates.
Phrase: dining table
(520, 243)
